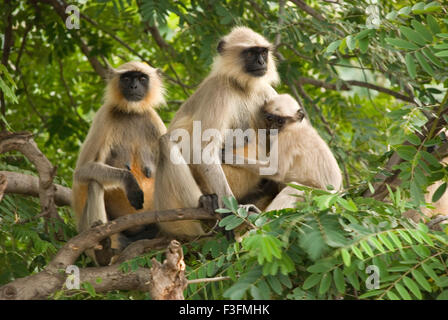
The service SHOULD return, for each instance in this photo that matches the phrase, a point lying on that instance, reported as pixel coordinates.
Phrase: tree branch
(24, 143)
(25, 184)
(94, 62)
(346, 86)
(44, 283)
(303, 6)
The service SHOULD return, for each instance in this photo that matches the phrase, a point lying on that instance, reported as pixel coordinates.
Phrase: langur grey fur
(303, 156)
(230, 97)
(114, 174)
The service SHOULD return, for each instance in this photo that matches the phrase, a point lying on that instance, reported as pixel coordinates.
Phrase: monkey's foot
(250, 208)
(209, 202)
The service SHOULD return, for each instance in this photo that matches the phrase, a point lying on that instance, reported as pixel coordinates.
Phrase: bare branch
(167, 281)
(3, 185)
(25, 184)
(24, 143)
(42, 284)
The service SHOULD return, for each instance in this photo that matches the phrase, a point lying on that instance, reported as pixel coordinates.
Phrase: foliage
(321, 249)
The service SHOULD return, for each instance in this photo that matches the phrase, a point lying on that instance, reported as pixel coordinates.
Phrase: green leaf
(421, 59)
(430, 272)
(351, 42)
(333, 46)
(383, 238)
(413, 35)
(405, 236)
(403, 44)
(413, 287)
(347, 204)
(439, 192)
(418, 8)
(312, 281)
(432, 23)
(442, 54)
(339, 281)
(325, 283)
(231, 203)
(431, 57)
(392, 296)
(420, 278)
(321, 267)
(395, 239)
(363, 45)
(357, 252)
(441, 46)
(443, 295)
(89, 288)
(366, 248)
(424, 32)
(432, 6)
(403, 292)
(406, 152)
(275, 284)
(346, 257)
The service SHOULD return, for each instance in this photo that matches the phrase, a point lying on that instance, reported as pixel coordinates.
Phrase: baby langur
(303, 156)
(114, 175)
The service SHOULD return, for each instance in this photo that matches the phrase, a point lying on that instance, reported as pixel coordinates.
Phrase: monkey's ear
(159, 72)
(220, 46)
(110, 73)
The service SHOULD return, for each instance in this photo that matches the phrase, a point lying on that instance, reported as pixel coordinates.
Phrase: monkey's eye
(281, 121)
(142, 79)
(249, 54)
(269, 118)
(126, 79)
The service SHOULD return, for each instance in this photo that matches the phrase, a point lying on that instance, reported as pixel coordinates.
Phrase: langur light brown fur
(114, 173)
(303, 156)
(229, 98)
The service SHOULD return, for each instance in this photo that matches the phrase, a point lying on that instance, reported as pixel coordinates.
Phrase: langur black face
(274, 121)
(134, 85)
(255, 61)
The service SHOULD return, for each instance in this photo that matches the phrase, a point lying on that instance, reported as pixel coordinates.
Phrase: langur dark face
(134, 85)
(255, 61)
(274, 121)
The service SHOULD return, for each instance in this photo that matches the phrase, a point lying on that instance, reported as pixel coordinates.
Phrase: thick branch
(24, 143)
(25, 184)
(41, 285)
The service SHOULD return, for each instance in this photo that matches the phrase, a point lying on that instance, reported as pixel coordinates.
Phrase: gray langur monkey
(229, 98)
(114, 174)
(303, 156)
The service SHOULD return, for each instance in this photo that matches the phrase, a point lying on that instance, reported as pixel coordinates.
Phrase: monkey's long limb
(95, 210)
(103, 174)
(216, 180)
(108, 176)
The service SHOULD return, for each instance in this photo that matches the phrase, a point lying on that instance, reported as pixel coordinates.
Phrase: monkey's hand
(133, 192)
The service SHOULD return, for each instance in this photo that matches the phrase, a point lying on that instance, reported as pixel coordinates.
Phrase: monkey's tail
(175, 187)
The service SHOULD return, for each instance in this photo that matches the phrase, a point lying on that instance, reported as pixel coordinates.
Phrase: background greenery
(372, 78)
